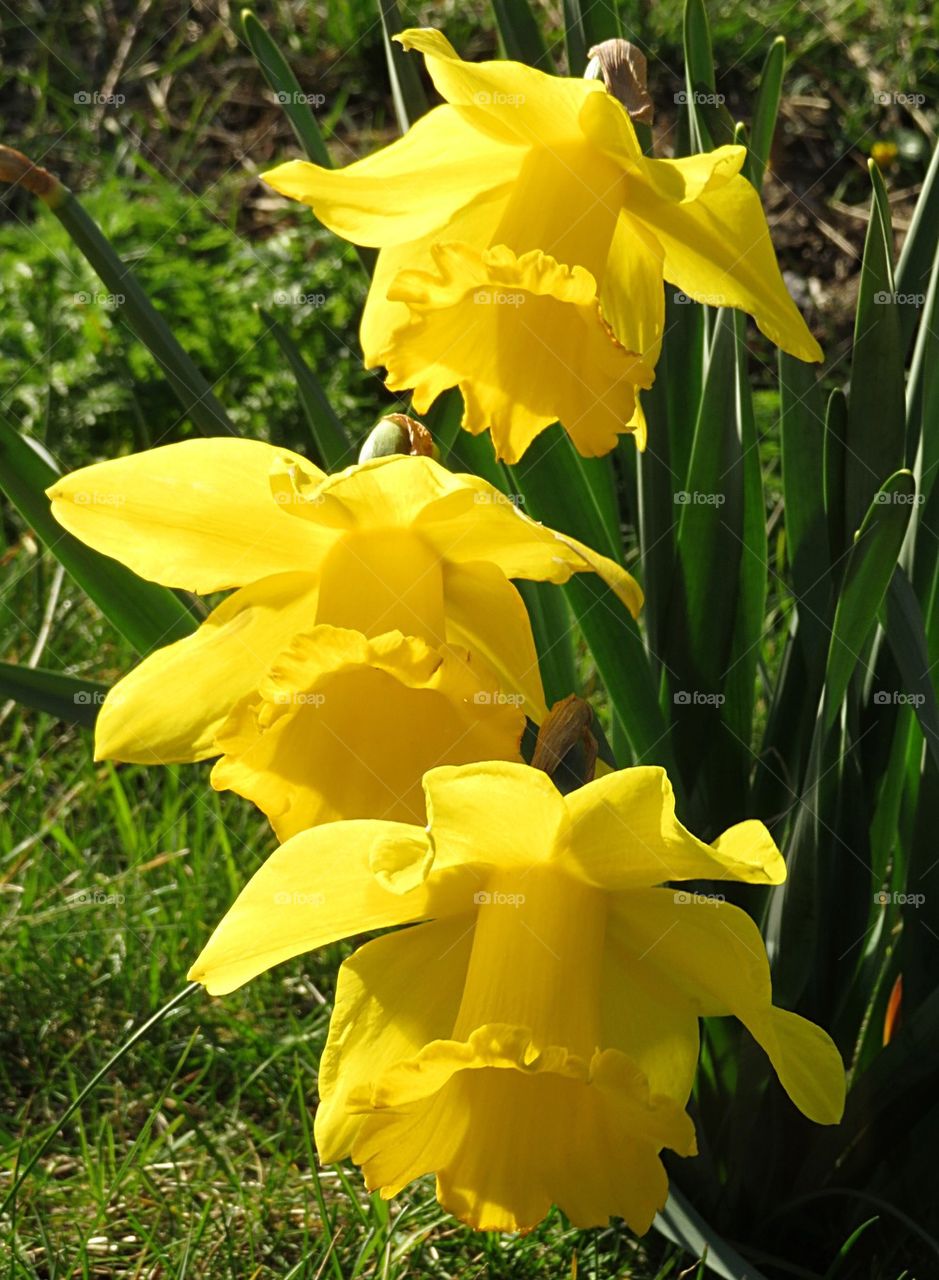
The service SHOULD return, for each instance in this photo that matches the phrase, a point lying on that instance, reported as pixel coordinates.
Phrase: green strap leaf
(681, 1224)
(332, 443)
(870, 567)
(906, 635)
(68, 698)
(279, 76)
(919, 252)
(145, 614)
(520, 33)
(406, 89)
(766, 110)
(145, 322)
(876, 426)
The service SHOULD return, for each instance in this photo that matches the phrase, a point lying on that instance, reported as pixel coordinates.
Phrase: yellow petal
(713, 953)
(505, 330)
(394, 995)
(406, 190)
(509, 1133)
(509, 100)
(495, 813)
(718, 250)
(173, 704)
(319, 887)
(345, 727)
(486, 615)
(624, 834)
(633, 292)
(645, 1018)
(198, 515)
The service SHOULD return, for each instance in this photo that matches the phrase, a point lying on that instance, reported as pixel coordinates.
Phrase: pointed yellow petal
(173, 704)
(394, 996)
(486, 615)
(320, 887)
(507, 99)
(406, 190)
(633, 292)
(717, 246)
(477, 522)
(525, 341)
(345, 727)
(624, 834)
(198, 515)
(713, 953)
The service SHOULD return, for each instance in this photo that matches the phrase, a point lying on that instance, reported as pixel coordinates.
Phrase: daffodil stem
(89, 1088)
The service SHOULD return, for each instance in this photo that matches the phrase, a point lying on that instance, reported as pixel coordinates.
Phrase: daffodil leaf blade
(876, 425)
(520, 33)
(917, 257)
(870, 567)
(906, 635)
(410, 100)
(66, 697)
(145, 614)
(331, 441)
(680, 1223)
(277, 72)
(134, 309)
(766, 110)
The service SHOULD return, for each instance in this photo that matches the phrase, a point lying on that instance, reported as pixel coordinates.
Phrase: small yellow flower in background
(534, 1041)
(884, 154)
(395, 545)
(525, 241)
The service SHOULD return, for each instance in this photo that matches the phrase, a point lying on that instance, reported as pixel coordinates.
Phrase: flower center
(380, 580)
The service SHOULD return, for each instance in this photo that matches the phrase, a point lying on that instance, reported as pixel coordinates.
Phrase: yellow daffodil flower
(534, 1041)
(395, 545)
(525, 241)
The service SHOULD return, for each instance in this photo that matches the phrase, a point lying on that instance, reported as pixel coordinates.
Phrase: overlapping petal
(171, 707)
